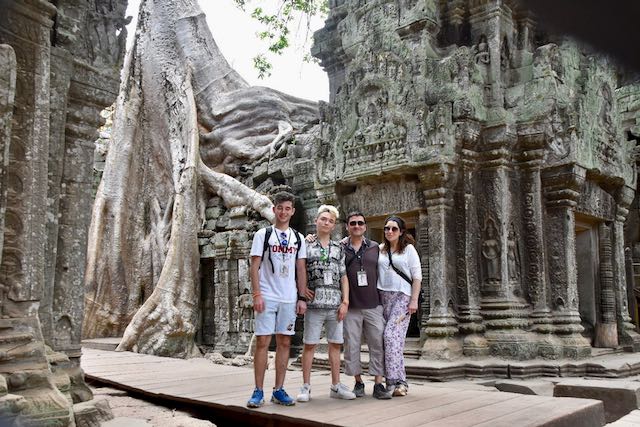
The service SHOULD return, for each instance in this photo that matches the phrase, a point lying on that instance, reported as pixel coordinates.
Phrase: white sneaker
(341, 391)
(305, 393)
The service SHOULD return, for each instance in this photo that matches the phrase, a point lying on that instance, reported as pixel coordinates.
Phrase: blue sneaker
(281, 397)
(257, 399)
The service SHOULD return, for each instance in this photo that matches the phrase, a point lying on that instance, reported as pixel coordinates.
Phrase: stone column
(468, 283)
(422, 242)
(606, 329)
(303, 186)
(562, 186)
(441, 330)
(61, 70)
(626, 330)
(26, 26)
(7, 96)
(534, 250)
(504, 309)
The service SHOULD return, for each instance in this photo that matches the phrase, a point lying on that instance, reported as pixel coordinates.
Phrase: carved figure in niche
(505, 55)
(513, 257)
(556, 134)
(491, 252)
(4, 291)
(481, 51)
(245, 311)
(606, 116)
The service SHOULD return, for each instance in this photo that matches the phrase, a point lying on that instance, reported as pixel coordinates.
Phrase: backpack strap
(267, 247)
(298, 241)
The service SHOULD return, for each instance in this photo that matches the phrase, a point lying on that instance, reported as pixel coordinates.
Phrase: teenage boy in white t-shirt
(275, 272)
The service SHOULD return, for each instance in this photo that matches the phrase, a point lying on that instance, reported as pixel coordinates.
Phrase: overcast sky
(234, 32)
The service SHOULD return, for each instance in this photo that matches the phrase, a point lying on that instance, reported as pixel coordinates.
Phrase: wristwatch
(302, 298)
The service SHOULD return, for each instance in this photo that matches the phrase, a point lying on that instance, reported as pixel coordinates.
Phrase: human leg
(396, 308)
(285, 321)
(373, 328)
(265, 326)
(352, 330)
(307, 361)
(260, 359)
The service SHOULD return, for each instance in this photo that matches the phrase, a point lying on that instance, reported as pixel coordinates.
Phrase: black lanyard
(284, 249)
(359, 254)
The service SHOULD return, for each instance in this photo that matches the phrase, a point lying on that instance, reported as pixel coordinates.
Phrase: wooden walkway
(224, 390)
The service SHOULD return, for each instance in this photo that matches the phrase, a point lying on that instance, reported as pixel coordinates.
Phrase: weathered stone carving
(51, 94)
(491, 253)
(510, 135)
(200, 131)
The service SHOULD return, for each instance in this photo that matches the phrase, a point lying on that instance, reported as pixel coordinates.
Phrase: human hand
(310, 238)
(413, 306)
(301, 307)
(309, 294)
(342, 311)
(258, 304)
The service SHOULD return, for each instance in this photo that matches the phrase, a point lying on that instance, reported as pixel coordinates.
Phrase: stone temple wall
(509, 152)
(59, 68)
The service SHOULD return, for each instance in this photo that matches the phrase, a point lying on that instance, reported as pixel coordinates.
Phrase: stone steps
(108, 344)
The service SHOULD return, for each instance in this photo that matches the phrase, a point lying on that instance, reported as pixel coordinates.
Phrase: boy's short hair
(283, 196)
(328, 208)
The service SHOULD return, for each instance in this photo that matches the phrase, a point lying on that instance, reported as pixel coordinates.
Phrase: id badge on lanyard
(362, 278)
(284, 271)
(328, 277)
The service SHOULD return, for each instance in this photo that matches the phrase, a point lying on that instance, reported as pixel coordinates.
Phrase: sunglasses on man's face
(354, 223)
(392, 229)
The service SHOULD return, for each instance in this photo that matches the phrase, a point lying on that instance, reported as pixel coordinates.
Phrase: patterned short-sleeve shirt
(327, 295)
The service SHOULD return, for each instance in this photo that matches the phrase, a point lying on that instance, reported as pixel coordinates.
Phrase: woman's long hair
(405, 238)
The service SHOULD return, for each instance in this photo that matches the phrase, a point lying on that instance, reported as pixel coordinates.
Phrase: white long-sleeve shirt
(408, 262)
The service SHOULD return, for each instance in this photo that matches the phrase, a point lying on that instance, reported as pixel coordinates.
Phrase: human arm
(344, 286)
(416, 278)
(301, 277)
(258, 302)
(344, 305)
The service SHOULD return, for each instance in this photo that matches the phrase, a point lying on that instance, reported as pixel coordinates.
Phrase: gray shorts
(277, 318)
(315, 318)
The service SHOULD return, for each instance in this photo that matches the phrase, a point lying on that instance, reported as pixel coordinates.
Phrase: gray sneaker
(358, 389)
(380, 392)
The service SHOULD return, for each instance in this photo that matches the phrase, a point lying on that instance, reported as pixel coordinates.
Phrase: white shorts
(277, 318)
(314, 318)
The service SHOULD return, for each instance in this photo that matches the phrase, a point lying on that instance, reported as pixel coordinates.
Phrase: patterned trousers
(396, 314)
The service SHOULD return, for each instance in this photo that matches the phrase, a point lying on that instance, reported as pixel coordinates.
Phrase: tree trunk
(184, 124)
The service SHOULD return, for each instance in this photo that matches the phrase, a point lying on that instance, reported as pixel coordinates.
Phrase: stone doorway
(375, 232)
(587, 264)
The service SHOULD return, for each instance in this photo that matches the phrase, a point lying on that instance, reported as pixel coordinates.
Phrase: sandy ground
(133, 412)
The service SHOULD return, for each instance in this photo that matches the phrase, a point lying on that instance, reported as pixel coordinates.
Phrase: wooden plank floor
(225, 390)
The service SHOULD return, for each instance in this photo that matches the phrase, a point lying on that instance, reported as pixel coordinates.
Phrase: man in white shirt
(277, 266)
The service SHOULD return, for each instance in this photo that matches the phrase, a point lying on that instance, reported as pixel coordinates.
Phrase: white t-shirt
(408, 262)
(273, 285)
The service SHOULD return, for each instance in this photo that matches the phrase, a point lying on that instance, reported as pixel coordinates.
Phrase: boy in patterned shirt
(327, 279)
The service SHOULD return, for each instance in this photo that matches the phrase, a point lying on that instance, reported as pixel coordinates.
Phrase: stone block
(541, 388)
(619, 397)
(208, 251)
(3, 386)
(632, 419)
(126, 422)
(92, 413)
(214, 212)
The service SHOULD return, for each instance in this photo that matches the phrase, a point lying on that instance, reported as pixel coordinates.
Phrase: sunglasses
(393, 229)
(354, 223)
